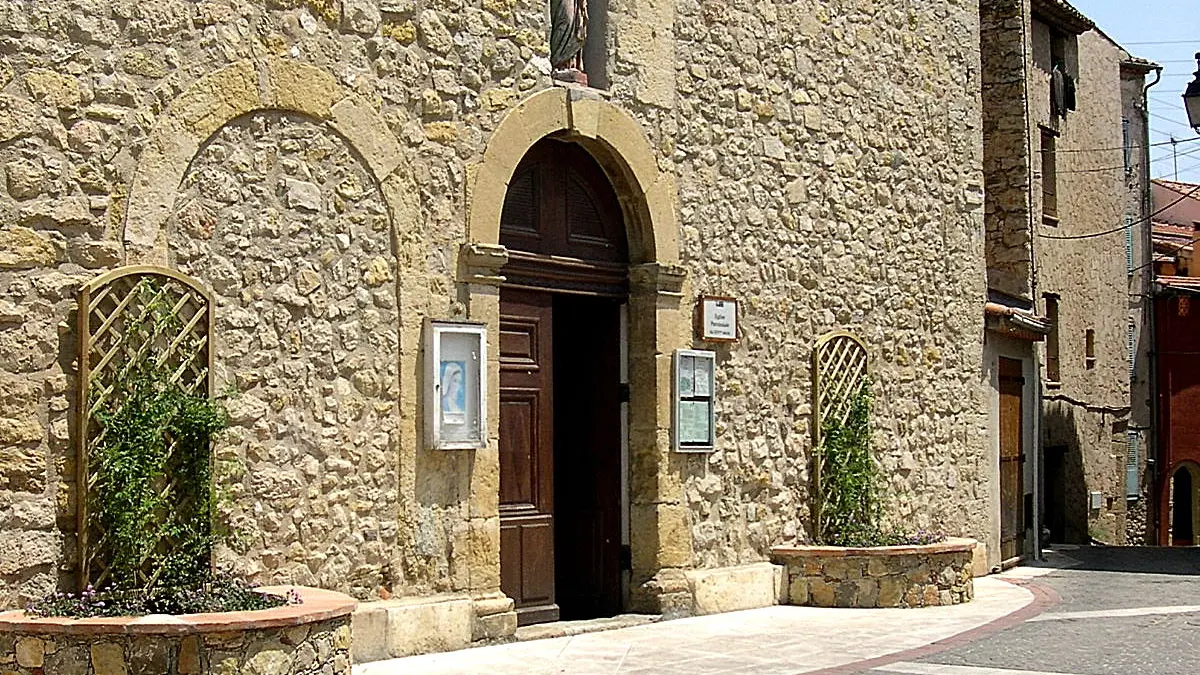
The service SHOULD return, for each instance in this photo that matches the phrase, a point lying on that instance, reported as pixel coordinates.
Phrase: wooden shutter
(1129, 245)
(1131, 466)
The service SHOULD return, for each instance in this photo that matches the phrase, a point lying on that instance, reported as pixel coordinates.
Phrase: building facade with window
(1175, 483)
(1065, 168)
(342, 175)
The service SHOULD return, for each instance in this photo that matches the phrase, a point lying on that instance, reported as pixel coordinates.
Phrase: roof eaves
(1061, 14)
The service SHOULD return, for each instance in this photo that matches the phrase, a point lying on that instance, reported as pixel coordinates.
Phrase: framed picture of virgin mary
(455, 385)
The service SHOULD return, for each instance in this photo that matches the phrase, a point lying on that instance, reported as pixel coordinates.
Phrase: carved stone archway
(660, 528)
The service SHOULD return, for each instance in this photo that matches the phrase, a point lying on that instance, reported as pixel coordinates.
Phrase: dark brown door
(1012, 459)
(560, 424)
(527, 453)
(587, 460)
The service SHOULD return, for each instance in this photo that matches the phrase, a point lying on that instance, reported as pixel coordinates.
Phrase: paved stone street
(770, 641)
(1087, 611)
(1122, 610)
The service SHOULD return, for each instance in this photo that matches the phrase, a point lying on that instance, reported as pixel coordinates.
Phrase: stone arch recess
(1170, 499)
(228, 93)
(660, 528)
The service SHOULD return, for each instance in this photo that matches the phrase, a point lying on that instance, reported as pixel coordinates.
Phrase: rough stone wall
(82, 85)
(279, 218)
(1137, 209)
(296, 650)
(829, 171)
(1091, 405)
(1006, 147)
(825, 193)
(910, 579)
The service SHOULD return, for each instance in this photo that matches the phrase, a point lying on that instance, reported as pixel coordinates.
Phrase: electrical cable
(1161, 42)
(1124, 167)
(1168, 119)
(1126, 226)
(1122, 147)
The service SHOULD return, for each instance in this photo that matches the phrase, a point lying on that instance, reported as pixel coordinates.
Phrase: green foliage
(852, 507)
(151, 463)
(214, 593)
(849, 476)
(154, 481)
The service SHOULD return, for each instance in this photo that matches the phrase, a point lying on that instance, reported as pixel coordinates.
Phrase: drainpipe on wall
(1034, 218)
(1148, 316)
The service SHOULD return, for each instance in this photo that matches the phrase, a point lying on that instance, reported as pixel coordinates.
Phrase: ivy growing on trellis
(844, 473)
(147, 421)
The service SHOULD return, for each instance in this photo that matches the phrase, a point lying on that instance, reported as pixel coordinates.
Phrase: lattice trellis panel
(839, 372)
(131, 319)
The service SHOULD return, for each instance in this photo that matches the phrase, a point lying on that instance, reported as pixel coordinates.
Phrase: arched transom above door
(562, 223)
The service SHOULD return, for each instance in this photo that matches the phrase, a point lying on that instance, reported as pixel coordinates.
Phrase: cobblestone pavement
(769, 641)
(1121, 611)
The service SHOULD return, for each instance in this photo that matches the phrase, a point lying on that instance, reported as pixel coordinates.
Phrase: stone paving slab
(779, 640)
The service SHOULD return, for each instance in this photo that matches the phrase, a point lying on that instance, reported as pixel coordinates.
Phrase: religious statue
(568, 33)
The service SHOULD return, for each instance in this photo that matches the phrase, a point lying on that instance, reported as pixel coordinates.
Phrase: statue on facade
(568, 33)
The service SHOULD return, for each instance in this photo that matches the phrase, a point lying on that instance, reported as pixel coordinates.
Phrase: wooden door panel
(537, 561)
(518, 438)
(527, 453)
(1012, 458)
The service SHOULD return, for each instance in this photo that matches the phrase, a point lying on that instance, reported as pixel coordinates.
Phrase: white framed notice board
(455, 385)
(694, 419)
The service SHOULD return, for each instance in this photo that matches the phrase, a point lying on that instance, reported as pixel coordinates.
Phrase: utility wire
(1185, 169)
(1168, 119)
(1161, 42)
(1122, 147)
(1126, 226)
(1124, 167)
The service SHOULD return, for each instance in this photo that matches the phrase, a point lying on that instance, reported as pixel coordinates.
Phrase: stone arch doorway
(659, 533)
(1184, 500)
(561, 376)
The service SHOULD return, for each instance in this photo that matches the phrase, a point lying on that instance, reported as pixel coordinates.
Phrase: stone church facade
(339, 173)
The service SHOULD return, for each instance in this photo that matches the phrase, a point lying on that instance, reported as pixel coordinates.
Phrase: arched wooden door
(560, 386)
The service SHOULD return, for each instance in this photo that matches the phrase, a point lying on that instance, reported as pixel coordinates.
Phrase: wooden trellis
(839, 372)
(133, 318)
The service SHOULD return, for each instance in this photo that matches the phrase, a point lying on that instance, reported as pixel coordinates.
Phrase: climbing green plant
(850, 476)
(150, 426)
(153, 495)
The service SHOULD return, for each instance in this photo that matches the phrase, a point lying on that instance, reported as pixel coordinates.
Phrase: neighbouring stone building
(1066, 174)
(338, 173)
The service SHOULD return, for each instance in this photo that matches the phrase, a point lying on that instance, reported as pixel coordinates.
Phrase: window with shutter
(1132, 490)
(1131, 346)
(1129, 245)
(1049, 178)
(1125, 143)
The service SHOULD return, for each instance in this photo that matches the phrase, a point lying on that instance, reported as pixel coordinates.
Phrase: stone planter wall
(306, 639)
(886, 576)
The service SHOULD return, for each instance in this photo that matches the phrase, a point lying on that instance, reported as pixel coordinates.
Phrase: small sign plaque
(718, 319)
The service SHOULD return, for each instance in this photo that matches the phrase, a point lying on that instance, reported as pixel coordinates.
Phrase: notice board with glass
(695, 389)
(455, 385)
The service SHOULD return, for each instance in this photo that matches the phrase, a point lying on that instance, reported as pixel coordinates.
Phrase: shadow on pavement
(1134, 559)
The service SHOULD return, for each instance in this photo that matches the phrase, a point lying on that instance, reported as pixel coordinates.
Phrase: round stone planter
(310, 637)
(884, 576)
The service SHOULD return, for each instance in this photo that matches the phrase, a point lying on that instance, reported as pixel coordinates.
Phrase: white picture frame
(456, 385)
(694, 415)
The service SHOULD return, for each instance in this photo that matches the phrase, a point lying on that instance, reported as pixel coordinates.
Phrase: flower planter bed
(310, 637)
(886, 576)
